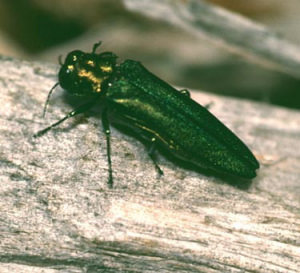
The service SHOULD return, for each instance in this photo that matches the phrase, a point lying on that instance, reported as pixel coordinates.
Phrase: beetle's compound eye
(73, 57)
(67, 78)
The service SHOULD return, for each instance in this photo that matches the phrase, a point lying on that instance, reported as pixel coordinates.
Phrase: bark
(58, 215)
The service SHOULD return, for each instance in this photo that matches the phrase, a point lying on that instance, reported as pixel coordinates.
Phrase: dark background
(43, 30)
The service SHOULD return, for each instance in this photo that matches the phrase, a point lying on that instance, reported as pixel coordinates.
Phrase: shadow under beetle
(168, 117)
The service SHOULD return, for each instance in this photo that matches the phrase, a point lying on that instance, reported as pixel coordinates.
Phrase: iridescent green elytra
(168, 117)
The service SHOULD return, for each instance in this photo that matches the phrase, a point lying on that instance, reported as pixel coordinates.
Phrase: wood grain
(58, 215)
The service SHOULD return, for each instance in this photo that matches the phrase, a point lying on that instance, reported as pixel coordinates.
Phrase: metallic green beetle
(168, 117)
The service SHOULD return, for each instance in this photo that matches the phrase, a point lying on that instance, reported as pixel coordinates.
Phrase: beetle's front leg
(78, 110)
(105, 126)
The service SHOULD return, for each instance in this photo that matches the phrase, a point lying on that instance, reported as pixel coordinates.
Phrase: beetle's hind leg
(152, 155)
(208, 105)
(73, 113)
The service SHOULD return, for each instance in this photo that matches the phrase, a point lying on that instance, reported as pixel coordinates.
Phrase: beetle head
(87, 74)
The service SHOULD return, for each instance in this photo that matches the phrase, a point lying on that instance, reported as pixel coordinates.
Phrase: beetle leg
(151, 153)
(96, 46)
(208, 105)
(73, 113)
(105, 126)
(185, 92)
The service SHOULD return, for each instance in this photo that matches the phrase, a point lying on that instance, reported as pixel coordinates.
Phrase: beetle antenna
(48, 98)
(95, 46)
(60, 60)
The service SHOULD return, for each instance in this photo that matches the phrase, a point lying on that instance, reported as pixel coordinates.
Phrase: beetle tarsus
(151, 153)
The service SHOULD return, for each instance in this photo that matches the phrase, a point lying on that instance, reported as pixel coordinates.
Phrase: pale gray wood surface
(58, 215)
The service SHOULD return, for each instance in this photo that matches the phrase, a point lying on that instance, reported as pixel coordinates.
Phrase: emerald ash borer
(167, 117)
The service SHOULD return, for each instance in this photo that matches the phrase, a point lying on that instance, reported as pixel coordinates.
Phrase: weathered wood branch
(58, 215)
(229, 29)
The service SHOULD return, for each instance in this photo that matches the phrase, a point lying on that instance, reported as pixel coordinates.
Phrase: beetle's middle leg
(152, 155)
